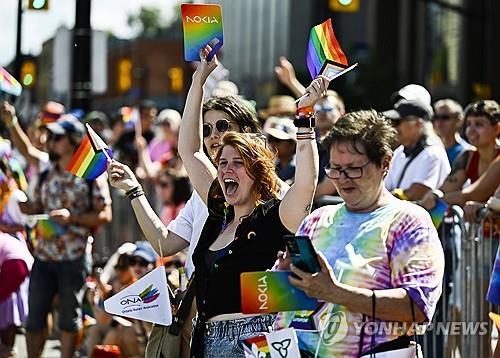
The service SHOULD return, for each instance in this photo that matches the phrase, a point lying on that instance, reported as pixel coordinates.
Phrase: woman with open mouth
(247, 221)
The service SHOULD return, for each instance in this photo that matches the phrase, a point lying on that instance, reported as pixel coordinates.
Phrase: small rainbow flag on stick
(90, 159)
(9, 84)
(324, 55)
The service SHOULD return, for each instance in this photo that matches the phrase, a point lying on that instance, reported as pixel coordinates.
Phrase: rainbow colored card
(271, 291)
(438, 212)
(256, 347)
(46, 228)
(202, 24)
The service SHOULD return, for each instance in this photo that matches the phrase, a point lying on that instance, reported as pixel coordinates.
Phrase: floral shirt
(394, 246)
(60, 190)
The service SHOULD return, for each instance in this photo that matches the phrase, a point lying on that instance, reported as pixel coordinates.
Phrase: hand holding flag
(90, 159)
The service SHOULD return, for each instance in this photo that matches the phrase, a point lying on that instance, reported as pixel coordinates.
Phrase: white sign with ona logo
(146, 299)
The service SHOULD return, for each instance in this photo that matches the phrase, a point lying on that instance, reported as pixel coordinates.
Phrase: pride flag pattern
(149, 294)
(271, 291)
(46, 228)
(9, 84)
(322, 48)
(202, 24)
(90, 160)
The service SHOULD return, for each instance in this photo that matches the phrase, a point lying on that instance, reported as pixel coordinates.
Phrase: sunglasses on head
(138, 261)
(442, 117)
(222, 126)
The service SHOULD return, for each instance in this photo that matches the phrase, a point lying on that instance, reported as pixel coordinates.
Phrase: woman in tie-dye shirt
(372, 244)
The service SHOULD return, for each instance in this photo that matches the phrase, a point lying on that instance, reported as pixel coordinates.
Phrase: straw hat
(279, 105)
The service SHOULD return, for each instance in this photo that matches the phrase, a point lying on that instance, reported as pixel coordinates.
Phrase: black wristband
(135, 194)
(304, 121)
(133, 190)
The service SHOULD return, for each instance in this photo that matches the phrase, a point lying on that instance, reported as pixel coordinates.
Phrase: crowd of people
(230, 182)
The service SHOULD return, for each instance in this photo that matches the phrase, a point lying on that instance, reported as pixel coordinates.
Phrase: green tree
(147, 22)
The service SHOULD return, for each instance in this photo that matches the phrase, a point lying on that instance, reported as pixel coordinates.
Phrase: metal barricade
(460, 326)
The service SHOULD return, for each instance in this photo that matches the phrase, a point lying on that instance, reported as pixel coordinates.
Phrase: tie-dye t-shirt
(394, 246)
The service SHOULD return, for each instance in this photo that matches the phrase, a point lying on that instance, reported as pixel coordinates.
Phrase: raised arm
(286, 75)
(200, 169)
(20, 140)
(298, 200)
(152, 227)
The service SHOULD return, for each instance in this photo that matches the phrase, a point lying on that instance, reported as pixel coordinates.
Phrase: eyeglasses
(138, 261)
(319, 108)
(442, 117)
(222, 126)
(350, 172)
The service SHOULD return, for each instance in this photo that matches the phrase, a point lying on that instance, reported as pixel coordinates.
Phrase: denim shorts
(222, 338)
(64, 278)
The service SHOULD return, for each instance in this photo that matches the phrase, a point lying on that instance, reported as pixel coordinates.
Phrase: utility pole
(81, 84)
(18, 59)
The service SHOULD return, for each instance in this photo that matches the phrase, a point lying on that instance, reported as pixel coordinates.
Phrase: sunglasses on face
(442, 117)
(319, 108)
(139, 261)
(222, 126)
(350, 172)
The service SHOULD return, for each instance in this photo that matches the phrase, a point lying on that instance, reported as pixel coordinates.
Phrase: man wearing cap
(74, 207)
(281, 134)
(420, 163)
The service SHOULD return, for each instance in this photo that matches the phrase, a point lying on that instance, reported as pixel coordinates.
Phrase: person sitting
(381, 258)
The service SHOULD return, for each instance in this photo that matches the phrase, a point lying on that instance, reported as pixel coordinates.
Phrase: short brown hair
(488, 108)
(258, 160)
(367, 128)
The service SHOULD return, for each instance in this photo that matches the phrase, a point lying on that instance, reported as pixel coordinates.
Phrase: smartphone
(302, 253)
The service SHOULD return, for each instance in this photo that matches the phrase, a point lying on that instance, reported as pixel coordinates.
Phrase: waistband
(236, 327)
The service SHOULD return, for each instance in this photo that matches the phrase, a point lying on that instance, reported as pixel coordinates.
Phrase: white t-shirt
(430, 168)
(190, 221)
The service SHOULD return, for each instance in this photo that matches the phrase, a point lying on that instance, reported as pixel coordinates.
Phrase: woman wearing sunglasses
(247, 221)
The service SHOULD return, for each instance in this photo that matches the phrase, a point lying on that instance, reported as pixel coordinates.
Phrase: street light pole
(81, 84)
(17, 60)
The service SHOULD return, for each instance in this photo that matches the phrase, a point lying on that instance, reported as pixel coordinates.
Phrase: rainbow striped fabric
(46, 228)
(90, 159)
(324, 48)
(9, 84)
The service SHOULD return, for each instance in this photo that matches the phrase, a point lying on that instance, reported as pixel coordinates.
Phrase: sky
(39, 26)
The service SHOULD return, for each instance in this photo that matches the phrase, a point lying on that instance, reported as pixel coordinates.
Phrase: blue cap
(146, 251)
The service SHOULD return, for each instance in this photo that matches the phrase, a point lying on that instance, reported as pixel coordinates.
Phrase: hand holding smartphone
(302, 253)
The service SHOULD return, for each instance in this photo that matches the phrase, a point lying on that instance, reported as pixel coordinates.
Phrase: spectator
(100, 123)
(168, 121)
(143, 259)
(15, 265)
(278, 105)
(173, 190)
(482, 120)
(281, 133)
(412, 91)
(12, 220)
(385, 256)
(447, 121)
(419, 163)
(60, 264)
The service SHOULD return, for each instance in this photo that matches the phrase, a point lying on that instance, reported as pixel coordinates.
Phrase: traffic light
(28, 74)
(344, 5)
(176, 75)
(124, 75)
(38, 4)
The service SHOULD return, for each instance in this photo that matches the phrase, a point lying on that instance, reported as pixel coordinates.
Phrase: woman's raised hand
(121, 176)
(205, 68)
(314, 92)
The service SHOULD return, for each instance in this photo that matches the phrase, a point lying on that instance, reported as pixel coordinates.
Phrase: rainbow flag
(130, 116)
(438, 212)
(46, 228)
(324, 48)
(90, 159)
(9, 84)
